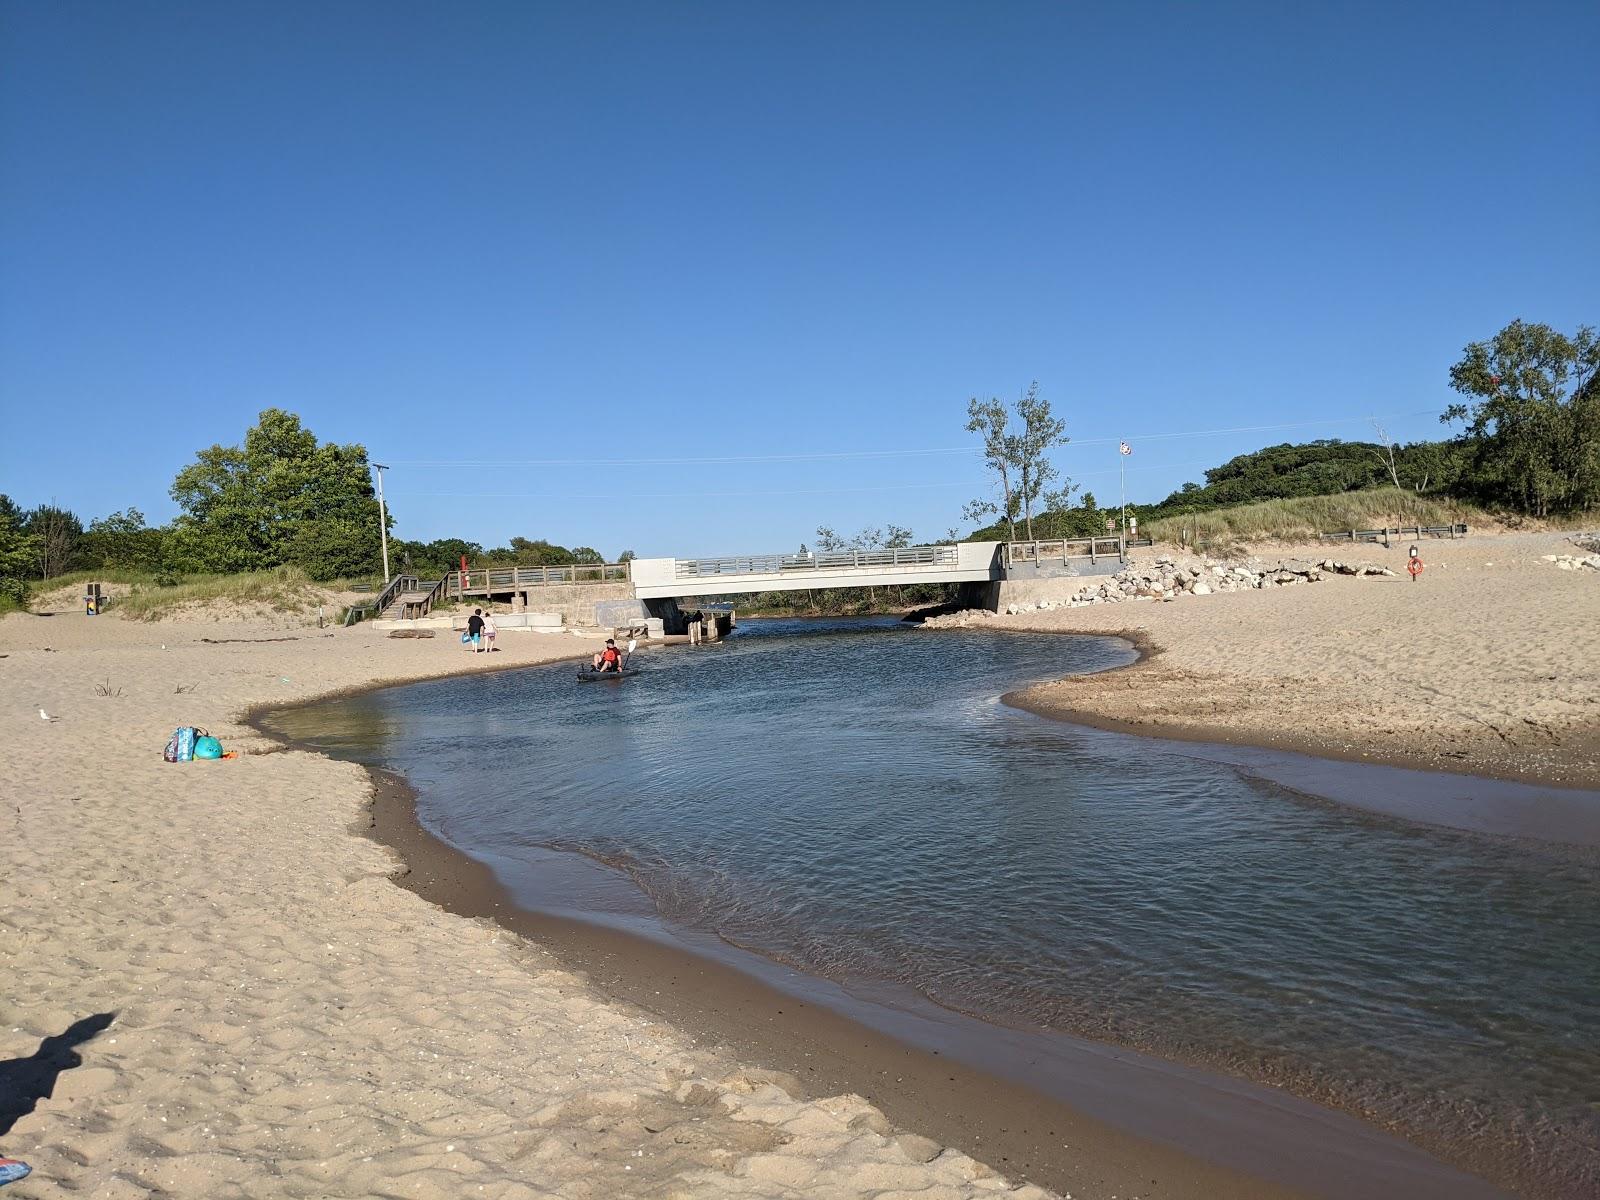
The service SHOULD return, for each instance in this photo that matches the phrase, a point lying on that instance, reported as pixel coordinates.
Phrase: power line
(895, 487)
(839, 455)
(978, 484)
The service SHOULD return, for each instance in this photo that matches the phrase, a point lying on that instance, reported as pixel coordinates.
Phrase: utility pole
(383, 521)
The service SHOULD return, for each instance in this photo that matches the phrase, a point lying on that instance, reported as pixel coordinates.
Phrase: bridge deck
(659, 578)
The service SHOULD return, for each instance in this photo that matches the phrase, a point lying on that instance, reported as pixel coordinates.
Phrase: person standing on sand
(489, 630)
(475, 629)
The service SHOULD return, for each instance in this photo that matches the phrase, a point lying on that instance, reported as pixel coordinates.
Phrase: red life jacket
(611, 655)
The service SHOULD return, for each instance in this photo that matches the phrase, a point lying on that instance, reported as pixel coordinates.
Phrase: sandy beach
(268, 1015)
(1488, 665)
(262, 1012)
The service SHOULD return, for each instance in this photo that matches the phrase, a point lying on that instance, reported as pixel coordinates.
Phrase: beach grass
(148, 595)
(282, 589)
(1303, 518)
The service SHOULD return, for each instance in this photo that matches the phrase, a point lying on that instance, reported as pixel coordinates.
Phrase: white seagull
(44, 716)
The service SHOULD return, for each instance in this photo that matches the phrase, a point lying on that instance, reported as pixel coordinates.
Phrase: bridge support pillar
(671, 619)
(983, 594)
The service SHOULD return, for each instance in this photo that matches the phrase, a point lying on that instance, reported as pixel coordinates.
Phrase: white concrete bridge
(980, 567)
(966, 562)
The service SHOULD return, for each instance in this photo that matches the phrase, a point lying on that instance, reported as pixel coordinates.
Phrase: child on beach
(475, 629)
(489, 630)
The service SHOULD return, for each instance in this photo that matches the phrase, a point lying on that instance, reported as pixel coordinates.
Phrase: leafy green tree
(56, 534)
(282, 497)
(435, 559)
(1018, 457)
(991, 420)
(122, 541)
(1041, 431)
(587, 555)
(1532, 417)
(897, 537)
(540, 553)
(829, 541)
(18, 553)
(626, 556)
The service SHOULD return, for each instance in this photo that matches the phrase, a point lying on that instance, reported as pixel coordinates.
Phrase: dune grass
(283, 589)
(1304, 517)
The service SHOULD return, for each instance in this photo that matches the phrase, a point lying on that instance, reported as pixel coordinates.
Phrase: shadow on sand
(26, 1081)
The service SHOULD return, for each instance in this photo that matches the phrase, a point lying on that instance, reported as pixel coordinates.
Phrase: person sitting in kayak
(609, 659)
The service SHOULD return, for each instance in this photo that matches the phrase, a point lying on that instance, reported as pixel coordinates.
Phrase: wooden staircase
(415, 600)
(405, 597)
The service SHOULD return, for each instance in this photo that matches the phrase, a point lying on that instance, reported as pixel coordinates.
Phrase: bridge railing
(830, 560)
(1063, 549)
(512, 579)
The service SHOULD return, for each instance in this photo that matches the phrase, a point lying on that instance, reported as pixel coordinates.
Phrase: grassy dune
(147, 596)
(1304, 517)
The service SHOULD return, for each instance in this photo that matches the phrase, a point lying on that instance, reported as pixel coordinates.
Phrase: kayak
(588, 675)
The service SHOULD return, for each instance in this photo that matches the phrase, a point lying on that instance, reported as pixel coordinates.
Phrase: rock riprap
(1168, 578)
(1574, 562)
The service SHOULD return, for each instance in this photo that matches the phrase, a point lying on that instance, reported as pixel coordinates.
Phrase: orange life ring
(1415, 567)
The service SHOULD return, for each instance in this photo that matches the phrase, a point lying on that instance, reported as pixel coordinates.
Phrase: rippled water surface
(850, 797)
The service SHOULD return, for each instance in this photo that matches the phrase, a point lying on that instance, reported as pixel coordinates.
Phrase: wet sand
(1557, 815)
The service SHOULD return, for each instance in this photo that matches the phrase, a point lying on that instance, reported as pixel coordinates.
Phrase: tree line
(281, 498)
(1528, 442)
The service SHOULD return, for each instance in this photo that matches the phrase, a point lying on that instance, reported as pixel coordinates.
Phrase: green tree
(435, 559)
(56, 533)
(829, 541)
(587, 555)
(1532, 417)
(540, 553)
(1041, 431)
(18, 554)
(282, 497)
(1018, 456)
(123, 541)
(897, 537)
(991, 420)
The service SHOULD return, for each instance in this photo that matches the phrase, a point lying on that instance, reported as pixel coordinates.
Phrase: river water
(850, 797)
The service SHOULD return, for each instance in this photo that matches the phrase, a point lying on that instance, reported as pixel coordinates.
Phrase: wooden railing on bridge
(490, 580)
(1064, 550)
(1383, 535)
(830, 560)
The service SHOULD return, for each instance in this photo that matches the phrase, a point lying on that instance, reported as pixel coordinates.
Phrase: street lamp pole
(383, 521)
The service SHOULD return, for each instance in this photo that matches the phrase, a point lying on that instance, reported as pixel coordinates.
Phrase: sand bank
(1489, 665)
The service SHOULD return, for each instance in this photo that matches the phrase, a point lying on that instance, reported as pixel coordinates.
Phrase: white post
(383, 521)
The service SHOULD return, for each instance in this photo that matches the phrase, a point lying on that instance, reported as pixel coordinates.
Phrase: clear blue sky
(510, 232)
